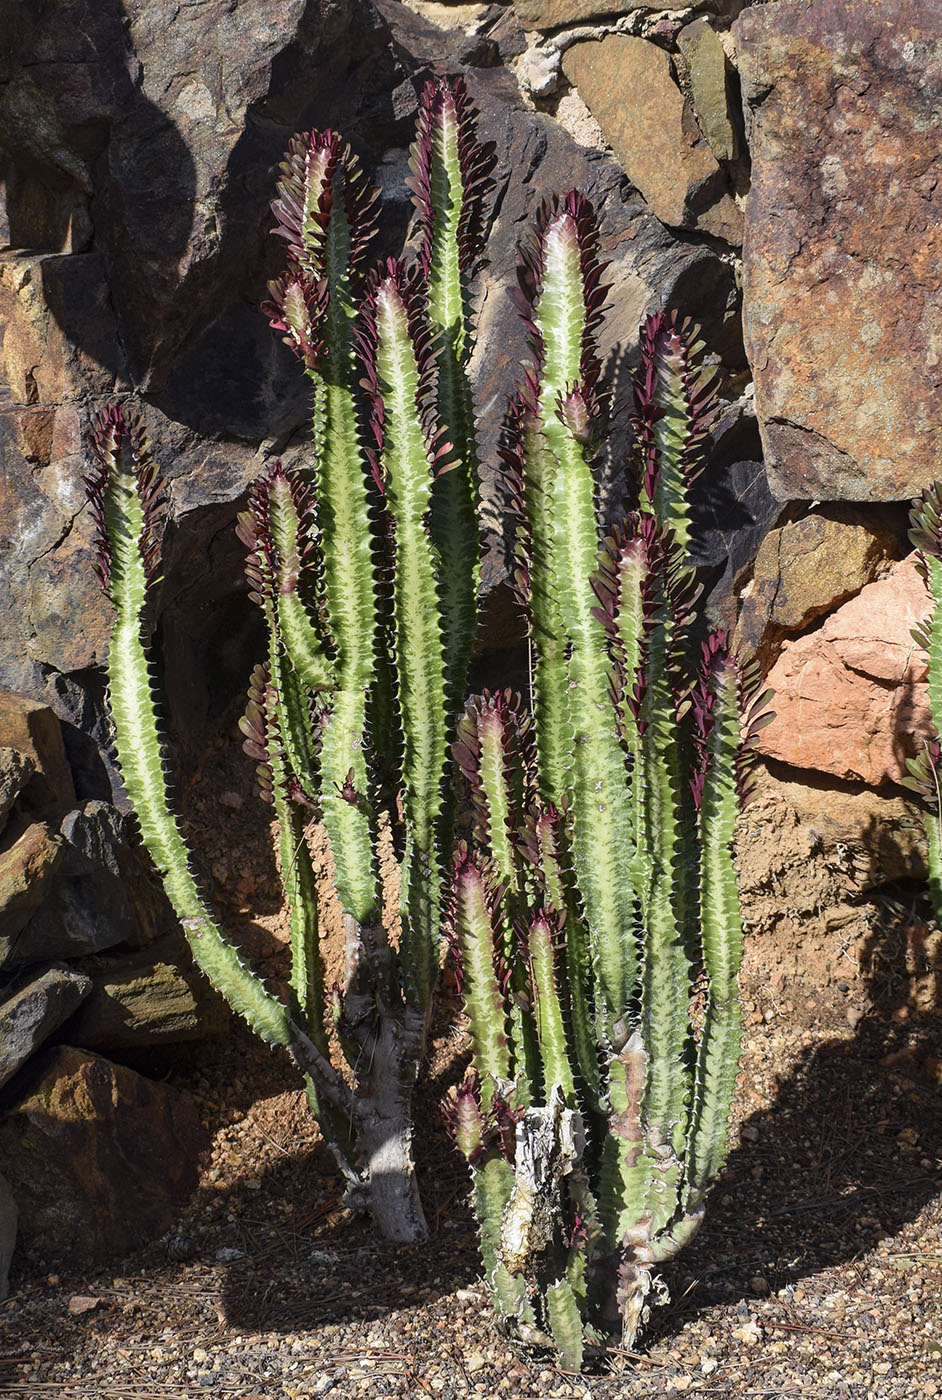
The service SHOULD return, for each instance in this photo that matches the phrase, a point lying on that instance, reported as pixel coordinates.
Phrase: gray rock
(709, 74)
(16, 769)
(35, 1009)
(8, 1223)
(91, 906)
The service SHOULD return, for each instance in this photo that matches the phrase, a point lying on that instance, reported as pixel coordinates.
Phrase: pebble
(233, 800)
(81, 1303)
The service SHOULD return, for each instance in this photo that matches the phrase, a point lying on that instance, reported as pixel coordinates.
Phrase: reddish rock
(850, 698)
(843, 243)
(99, 1158)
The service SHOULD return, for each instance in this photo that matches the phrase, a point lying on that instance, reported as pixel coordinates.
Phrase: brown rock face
(148, 1000)
(627, 85)
(850, 698)
(804, 570)
(34, 731)
(98, 1157)
(843, 320)
(27, 870)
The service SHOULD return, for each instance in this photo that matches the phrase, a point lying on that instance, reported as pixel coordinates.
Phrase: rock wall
(771, 170)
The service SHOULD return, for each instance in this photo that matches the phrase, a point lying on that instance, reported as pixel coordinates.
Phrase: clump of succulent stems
(925, 770)
(364, 561)
(596, 913)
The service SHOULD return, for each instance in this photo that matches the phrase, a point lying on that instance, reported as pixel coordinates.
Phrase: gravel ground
(818, 1271)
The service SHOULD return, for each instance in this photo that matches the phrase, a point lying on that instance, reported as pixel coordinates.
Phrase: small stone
(233, 800)
(475, 1362)
(759, 1285)
(750, 1334)
(81, 1303)
(178, 1247)
(708, 1364)
(228, 1255)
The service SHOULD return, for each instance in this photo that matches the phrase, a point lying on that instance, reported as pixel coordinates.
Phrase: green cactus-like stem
(474, 922)
(632, 872)
(601, 817)
(407, 460)
(450, 174)
(120, 493)
(551, 1033)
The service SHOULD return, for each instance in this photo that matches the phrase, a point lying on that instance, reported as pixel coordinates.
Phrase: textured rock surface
(148, 1000)
(137, 205)
(27, 869)
(843, 318)
(850, 698)
(33, 730)
(16, 769)
(807, 568)
(103, 895)
(98, 1157)
(34, 1010)
(808, 849)
(550, 14)
(628, 87)
(708, 74)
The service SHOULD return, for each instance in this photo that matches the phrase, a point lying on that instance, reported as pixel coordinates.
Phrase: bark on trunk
(384, 1139)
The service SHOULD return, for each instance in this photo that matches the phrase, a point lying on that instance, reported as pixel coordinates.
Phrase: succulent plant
(596, 911)
(364, 561)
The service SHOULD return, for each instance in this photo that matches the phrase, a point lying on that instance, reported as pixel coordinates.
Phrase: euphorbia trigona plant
(352, 712)
(597, 920)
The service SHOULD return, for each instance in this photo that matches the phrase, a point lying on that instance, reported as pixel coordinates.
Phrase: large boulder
(843, 242)
(137, 197)
(99, 1158)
